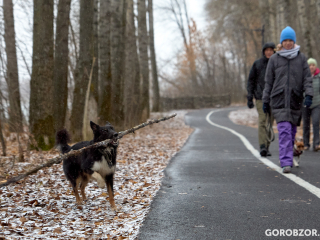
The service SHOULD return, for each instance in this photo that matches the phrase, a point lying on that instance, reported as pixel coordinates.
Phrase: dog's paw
(115, 208)
(101, 184)
(296, 162)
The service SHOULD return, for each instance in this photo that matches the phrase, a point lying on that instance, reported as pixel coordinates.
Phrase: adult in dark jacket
(287, 78)
(255, 89)
(313, 111)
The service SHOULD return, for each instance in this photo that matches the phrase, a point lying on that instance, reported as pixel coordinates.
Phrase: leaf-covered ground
(43, 205)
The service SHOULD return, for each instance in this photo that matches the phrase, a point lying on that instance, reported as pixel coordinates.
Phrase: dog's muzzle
(114, 142)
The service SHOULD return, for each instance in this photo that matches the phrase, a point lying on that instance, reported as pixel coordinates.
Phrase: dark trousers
(262, 130)
(314, 114)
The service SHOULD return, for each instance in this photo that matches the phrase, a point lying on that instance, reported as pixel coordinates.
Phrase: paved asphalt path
(214, 188)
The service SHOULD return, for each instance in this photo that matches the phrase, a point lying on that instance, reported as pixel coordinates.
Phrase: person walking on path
(314, 110)
(255, 89)
(287, 78)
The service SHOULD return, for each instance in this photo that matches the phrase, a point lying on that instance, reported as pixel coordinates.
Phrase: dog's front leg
(109, 181)
(99, 179)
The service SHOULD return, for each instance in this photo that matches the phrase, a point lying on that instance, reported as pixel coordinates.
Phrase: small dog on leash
(98, 163)
(297, 151)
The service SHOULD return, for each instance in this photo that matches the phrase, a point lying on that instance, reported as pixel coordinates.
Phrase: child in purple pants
(287, 79)
(287, 132)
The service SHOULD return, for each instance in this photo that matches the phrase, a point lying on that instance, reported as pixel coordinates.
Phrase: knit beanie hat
(268, 45)
(312, 61)
(288, 33)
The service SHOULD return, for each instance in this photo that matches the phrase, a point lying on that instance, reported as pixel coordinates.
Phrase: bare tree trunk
(95, 73)
(41, 85)
(155, 81)
(132, 92)
(257, 45)
(318, 9)
(287, 13)
(273, 18)
(15, 113)
(104, 62)
(3, 143)
(245, 57)
(60, 74)
(312, 19)
(265, 14)
(84, 65)
(280, 16)
(225, 74)
(118, 25)
(143, 53)
(176, 9)
(304, 27)
(316, 29)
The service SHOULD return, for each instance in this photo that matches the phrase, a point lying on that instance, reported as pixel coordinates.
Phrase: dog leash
(269, 128)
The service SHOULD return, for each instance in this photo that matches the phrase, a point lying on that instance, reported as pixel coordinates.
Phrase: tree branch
(105, 143)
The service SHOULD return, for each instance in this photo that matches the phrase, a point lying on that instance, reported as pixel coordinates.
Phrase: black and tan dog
(98, 163)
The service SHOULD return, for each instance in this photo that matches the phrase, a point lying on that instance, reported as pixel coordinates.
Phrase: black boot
(268, 153)
(263, 151)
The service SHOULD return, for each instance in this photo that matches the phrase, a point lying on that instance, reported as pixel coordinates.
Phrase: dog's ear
(94, 126)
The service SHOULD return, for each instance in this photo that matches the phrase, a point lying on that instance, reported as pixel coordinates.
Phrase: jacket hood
(268, 45)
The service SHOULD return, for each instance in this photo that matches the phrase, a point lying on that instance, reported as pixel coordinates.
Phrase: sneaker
(263, 152)
(268, 153)
(286, 169)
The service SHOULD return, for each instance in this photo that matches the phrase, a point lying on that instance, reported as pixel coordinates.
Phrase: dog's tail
(62, 139)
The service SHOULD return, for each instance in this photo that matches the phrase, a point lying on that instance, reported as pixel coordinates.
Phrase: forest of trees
(99, 63)
(96, 60)
(218, 59)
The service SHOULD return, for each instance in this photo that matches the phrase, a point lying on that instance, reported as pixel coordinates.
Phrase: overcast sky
(168, 40)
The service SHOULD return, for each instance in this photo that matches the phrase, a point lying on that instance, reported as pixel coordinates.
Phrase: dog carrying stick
(105, 143)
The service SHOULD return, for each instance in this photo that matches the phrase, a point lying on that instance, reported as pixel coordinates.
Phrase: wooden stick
(132, 130)
(62, 157)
